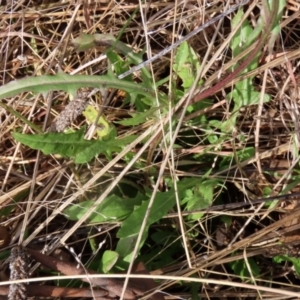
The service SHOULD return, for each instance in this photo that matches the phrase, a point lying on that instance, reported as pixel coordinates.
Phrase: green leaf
(240, 268)
(87, 41)
(112, 209)
(60, 143)
(84, 42)
(108, 260)
(131, 227)
(162, 204)
(104, 128)
(243, 93)
(243, 36)
(199, 197)
(126, 246)
(70, 83)
(195, 287)
(276, 31)
(100, 146)
(116, 63)
(186, 65)
(242, 155)
(164, 242)
(295, 261)
(296, 264)
(138, 118)
(71, 145)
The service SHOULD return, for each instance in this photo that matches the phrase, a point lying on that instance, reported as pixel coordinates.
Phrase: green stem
(19, 116)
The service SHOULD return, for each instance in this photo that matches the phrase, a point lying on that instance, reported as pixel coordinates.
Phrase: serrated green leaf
(87, 153)
(104, 147)
(186, 64)
(244, 93)
(200, 197)
(71, 145)
(242, 37)
(162, 204)
(130, 228)
(59, 143)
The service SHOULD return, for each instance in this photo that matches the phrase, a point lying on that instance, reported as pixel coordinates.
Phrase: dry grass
(35, 188)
